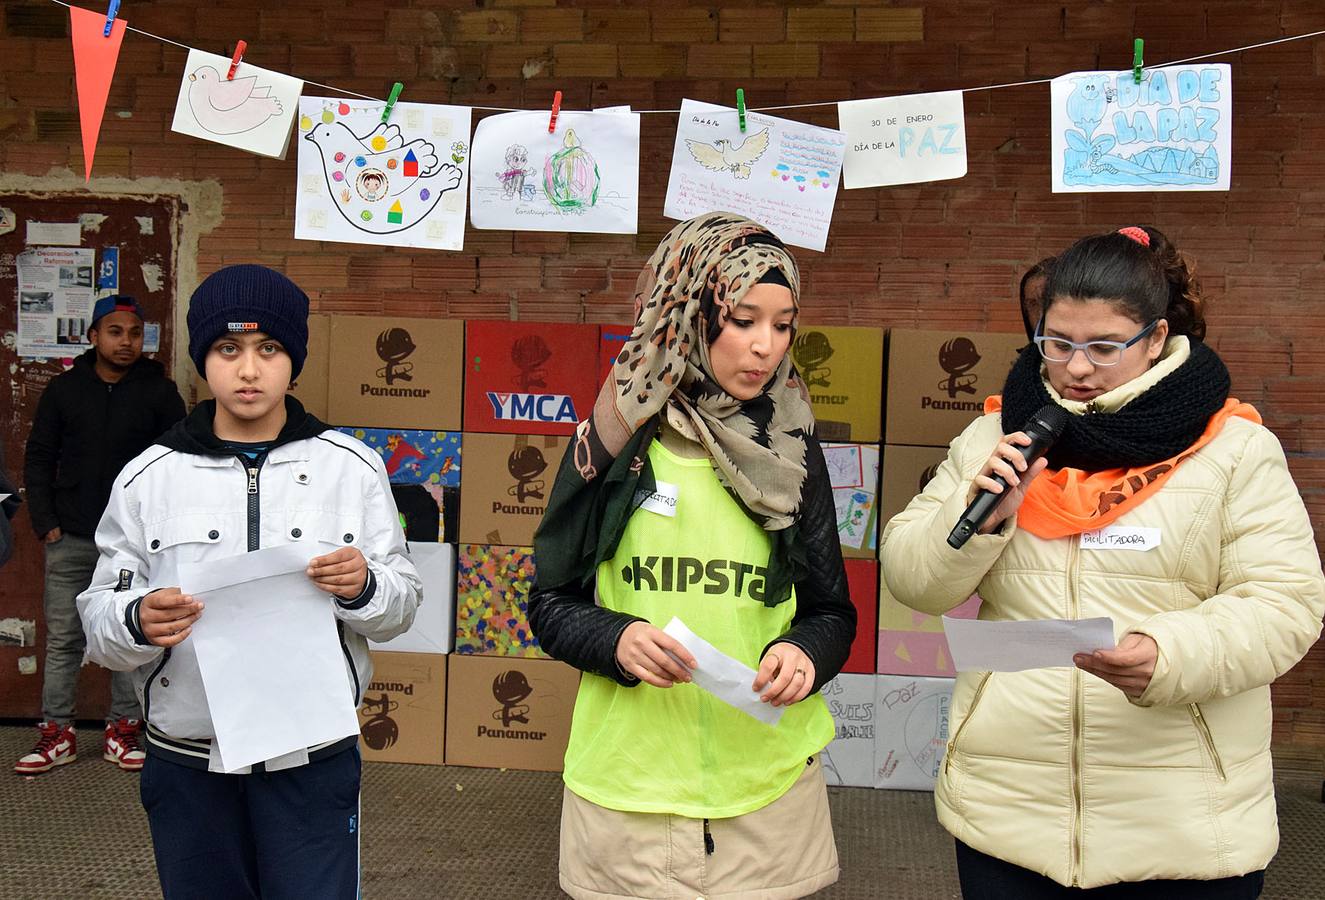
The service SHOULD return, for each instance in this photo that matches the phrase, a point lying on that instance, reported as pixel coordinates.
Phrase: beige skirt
(783, 850)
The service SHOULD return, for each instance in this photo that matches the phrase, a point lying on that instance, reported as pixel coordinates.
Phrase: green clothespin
(1137, 47)
(740, 107)
(391, 101)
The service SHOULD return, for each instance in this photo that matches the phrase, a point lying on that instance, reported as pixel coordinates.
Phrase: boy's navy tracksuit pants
(274, 835)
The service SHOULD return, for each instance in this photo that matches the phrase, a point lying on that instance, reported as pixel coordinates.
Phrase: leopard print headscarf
(685, 295)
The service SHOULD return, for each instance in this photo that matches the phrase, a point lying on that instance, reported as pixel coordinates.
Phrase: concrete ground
(451, 832)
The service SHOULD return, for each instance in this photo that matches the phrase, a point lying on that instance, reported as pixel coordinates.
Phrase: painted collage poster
(584, 176)
(399, 183)
(1171, 132)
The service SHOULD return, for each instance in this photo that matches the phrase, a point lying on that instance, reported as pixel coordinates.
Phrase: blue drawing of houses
(1098, 163)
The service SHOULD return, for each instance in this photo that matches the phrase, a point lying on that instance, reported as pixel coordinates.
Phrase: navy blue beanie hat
(248, 298)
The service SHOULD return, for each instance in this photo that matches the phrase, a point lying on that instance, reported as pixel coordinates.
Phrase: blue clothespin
(740, 107)
(391, 101)
(111, 13)
(1136, 59)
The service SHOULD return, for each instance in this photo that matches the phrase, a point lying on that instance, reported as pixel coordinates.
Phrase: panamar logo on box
(810, 352)
(525, 464)
(393, 347)
(957, 357)
(511, 689)
(380, 731)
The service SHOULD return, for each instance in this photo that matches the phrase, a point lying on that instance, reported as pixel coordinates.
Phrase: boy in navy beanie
(248, 471)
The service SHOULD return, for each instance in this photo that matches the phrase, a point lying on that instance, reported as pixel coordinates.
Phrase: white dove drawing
(230, 107)
(378, 182)
(723, 156)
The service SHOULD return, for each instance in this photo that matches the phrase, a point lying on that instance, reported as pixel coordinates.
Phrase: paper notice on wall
(55, 298)
(55, 234)
(1171, 132)
(782, 174)
(902, 140)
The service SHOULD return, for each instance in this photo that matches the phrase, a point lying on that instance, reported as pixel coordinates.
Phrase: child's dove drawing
(230, 107)
(384, 179)
(723, 156)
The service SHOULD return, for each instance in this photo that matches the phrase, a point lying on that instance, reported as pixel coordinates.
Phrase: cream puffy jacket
(1055, 770)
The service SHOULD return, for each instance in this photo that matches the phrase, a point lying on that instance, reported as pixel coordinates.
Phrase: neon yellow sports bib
(689, 551)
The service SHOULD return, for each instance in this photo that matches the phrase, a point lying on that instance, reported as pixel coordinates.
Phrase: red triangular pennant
(95, 56)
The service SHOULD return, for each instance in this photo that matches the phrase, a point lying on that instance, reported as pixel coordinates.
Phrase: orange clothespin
(556, 111)
(236, 59)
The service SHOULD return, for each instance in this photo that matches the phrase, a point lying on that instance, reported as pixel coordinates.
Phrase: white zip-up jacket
(188, 499)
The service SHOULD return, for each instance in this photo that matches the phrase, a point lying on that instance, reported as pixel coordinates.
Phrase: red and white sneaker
(58, 745)
(121, 745)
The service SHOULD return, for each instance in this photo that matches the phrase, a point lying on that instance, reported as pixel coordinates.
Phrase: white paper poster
(1172, 132)
(912, 723)
(433, 629)
(903, 140)
(582, 177)
(399, 184)
(849, 759)
(853, 470)
(55, 299)
(782, 174)
(255, 111)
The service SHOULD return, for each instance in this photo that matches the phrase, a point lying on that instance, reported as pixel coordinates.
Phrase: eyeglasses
(1100, 353)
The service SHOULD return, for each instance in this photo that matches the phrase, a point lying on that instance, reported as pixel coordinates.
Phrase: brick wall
(941, 255)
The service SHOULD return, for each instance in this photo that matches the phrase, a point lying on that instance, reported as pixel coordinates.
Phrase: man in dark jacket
(90, 422)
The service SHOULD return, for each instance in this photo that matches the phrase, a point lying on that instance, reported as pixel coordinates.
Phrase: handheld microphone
(1043, 429)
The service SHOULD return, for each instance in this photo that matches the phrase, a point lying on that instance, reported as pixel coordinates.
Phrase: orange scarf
(1063, 502)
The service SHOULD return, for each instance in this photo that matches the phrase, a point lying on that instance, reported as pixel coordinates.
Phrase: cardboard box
(912, 643)
(611, 338)
(938, 381)
(906, 471)
(853, 470)
(403, 715)
(391, 372)
(911, 729)
(843, 368)
(433, 630)
(863, 583)
(310, 388)
(849, 759)
(509, 713)
(506, 483)
(424, 469)
(529, 377)
(492, 601)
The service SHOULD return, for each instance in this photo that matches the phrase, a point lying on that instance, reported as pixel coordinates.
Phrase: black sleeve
(571, 627)
(825, 621)
(170, 408)
(40, 461)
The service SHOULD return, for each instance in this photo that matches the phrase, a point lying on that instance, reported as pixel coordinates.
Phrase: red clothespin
(236, 59)
(111, 13)
(556, 111)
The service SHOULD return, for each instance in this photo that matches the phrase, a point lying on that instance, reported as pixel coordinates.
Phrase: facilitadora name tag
(662, 500)
(1122, 537)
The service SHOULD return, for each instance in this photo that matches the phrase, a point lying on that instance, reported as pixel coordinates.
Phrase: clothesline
(987, 87)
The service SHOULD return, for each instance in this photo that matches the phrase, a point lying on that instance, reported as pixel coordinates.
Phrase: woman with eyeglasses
(1144, 771)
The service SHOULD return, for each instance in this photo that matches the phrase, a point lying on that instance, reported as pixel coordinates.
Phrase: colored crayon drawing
(492, 601)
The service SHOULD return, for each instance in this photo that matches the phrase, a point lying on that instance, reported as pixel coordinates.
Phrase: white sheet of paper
(982, 646)
(55, 234)
(401, 184)
(902, 140)
(433, 630)
(725, 678)
(782, 174)
(583, 177)
(268, 653)
(255, 111)
(1172, 132)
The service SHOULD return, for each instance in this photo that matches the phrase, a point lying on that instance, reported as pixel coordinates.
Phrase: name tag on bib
(1122, 537)
(662, 501)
